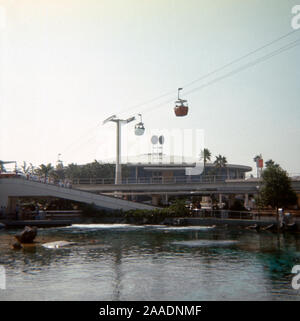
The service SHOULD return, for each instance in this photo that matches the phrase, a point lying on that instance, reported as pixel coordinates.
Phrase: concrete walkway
(19, 187)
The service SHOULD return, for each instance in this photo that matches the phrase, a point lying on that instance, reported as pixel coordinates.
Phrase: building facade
(147, 173)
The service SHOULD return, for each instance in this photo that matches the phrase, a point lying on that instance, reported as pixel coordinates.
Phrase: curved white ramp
(18, 187)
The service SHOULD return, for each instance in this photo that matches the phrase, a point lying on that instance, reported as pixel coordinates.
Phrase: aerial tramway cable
(147, 102)
(231, 73)
(246, 66)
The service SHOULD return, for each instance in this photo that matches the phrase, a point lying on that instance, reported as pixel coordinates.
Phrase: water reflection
(124, 262)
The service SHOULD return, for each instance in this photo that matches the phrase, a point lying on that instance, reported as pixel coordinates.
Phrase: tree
(206, 156)
(44, 170)
(179, 207)
(270, 162)
(31, 168)
(276, 190)
(220, 162)
(93, 170)
(25, 168)
(2, 168)
(73, 171)
(257, 158)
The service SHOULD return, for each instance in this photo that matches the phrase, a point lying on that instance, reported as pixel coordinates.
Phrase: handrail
(154, 180)
(86, 194)
(231, 214)
(208, 179)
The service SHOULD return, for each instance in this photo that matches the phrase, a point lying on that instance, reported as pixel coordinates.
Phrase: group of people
(27, 213)
(49, 180)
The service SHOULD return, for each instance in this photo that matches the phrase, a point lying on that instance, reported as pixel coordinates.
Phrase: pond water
(127, 262)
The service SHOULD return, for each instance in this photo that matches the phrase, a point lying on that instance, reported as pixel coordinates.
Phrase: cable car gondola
(181, 107)
(139, 128)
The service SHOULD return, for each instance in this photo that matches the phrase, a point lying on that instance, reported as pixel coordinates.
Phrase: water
(127, 262)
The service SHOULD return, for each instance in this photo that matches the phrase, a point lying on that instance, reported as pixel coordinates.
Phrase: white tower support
(119, 122)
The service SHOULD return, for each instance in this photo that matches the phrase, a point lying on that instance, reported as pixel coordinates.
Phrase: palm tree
(25, 168)
(220, 162)
(31, 168)
(44, 170)
(205, 155)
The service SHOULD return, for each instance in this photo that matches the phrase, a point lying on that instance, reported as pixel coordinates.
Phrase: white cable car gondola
(181, 107)
(139, 128)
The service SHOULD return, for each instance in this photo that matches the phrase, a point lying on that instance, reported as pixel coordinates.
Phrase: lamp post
(119, 123)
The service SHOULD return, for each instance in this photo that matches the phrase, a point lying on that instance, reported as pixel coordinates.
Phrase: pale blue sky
(66, 65)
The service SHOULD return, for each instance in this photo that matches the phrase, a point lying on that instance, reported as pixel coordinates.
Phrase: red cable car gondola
(181, 107)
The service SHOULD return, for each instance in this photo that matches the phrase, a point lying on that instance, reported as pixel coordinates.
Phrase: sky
(66, 65)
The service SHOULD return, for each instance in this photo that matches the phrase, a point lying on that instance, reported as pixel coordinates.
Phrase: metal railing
(229, 214)
(155, 180)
